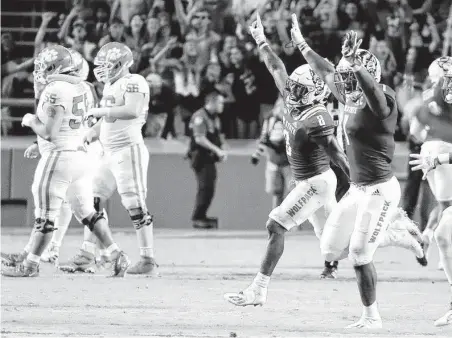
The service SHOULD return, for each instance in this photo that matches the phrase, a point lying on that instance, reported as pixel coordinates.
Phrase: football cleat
(82, 262)
(145, 266)
(329, 271)
(51, 254)
(119, 264)
(252, 295)
(445, 320)
(24, 269)
(366, 323)
(13, 259)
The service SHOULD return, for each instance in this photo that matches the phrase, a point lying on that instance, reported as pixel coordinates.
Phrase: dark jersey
(436, 114)
(306, 157)
(369, 141)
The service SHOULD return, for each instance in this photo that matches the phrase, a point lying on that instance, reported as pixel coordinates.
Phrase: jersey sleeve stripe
(312, 111)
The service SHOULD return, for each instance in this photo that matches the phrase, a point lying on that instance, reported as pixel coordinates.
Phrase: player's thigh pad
(440, 179)
(130, 171)
(306, 198)
(104, 183)
(274, 180)
(50, 184)
(339, 226)
(375, 211)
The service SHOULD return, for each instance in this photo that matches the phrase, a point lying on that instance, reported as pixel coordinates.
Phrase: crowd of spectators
(184, 46)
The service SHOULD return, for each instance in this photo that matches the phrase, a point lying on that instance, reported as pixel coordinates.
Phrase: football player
(436, 153)
(310, 143)
(122, 113)
(61, 173)
(359, 222)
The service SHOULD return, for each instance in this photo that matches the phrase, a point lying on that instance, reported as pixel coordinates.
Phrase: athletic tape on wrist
(443, 158)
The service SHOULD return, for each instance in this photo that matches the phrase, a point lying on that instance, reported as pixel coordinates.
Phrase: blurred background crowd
(184, 46)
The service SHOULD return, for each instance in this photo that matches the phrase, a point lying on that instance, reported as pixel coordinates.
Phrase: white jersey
(72, 97)
(117, 134)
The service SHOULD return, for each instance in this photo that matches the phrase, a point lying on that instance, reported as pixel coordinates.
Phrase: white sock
(31, 239)
(89, 247)
(371, 311)
(62, 224)
(261, 280)
(112, 248)
(33, 258)
(145, 237)
(104, 253)
(147, 252)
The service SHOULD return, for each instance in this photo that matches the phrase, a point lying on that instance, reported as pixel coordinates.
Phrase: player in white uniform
(438, 153)
(123, 111)
(62, 173)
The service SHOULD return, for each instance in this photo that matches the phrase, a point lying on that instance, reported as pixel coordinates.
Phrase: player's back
(306, 157)
(370, 141)
(116, 134)
(73, 98)
(436, 114)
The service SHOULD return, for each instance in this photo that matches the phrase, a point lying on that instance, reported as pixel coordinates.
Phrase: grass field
(196, 269)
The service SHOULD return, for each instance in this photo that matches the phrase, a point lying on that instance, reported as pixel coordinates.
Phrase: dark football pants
(206, 177)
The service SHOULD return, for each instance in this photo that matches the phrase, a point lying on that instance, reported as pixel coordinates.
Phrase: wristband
(108, 113)
(263, 44)
(443, 158)
(303, 47)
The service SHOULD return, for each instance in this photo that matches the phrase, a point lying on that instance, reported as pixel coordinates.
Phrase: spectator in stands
(387, 61)
(187, 81)
(125, 9)
(162, 103)
(424, 38)
(115, 33)
(102, 16)
(245, 91)
(354, 18)
(204, 37)
(135, 37)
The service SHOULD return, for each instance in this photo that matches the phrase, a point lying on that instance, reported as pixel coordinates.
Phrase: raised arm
(319, 65)
(372, 92)
(46, 17)
(274, 64)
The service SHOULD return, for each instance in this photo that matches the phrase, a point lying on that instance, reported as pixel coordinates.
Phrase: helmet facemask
(299, 96)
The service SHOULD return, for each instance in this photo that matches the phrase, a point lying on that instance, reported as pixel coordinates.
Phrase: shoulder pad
(318, 121)
(135, 83)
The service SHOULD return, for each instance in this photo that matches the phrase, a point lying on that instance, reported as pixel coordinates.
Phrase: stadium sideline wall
(240, 201)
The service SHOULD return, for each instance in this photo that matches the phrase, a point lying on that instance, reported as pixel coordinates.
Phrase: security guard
(205, 150)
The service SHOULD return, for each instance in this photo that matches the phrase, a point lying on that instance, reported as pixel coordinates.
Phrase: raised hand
(257, 30)
(295, 32)
(426, 163)
(350, 48)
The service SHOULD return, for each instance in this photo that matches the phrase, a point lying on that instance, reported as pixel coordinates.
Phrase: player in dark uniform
(436, 113)
(362, 216)
(310, 144)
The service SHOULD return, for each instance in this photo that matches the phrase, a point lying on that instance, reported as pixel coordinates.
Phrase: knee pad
(93, 220)
(44, 226)
(358, 256)
(141, 219)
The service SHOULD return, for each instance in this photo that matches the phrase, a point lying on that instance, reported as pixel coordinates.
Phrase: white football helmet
(345, 79)
(441, 68)
(81, 65)
(303, 88)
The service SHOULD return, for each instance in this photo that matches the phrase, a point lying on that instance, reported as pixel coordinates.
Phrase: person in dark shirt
(162, 102)
(204, 152)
